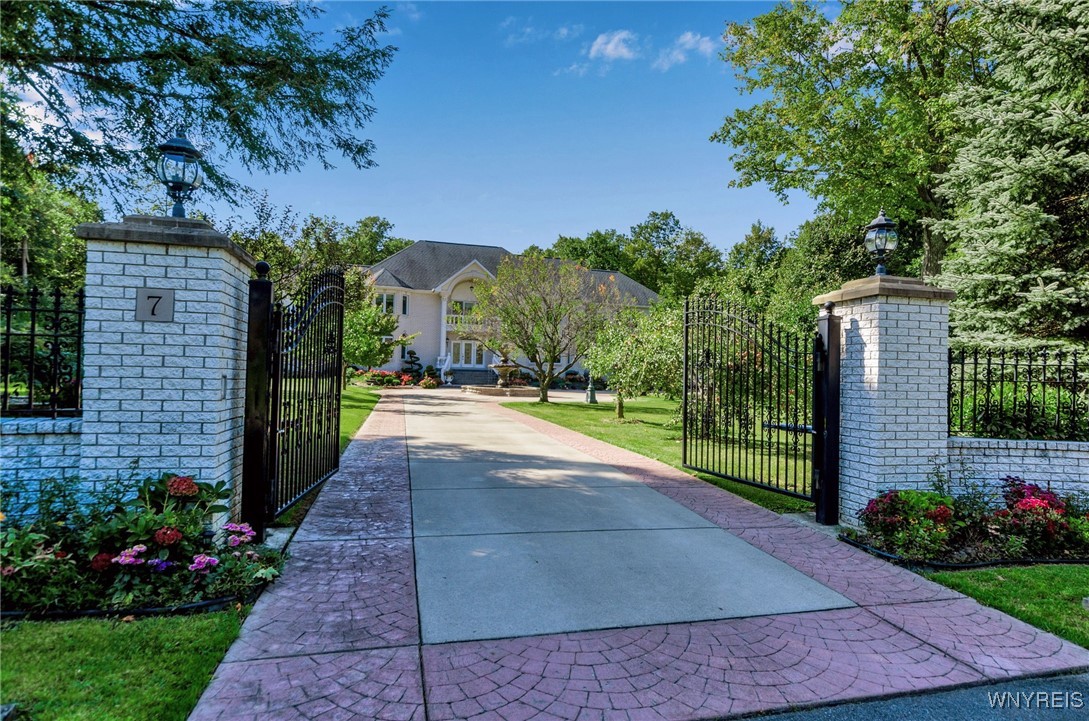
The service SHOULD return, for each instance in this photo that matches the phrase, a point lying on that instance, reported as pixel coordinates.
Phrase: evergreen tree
(1021, 182)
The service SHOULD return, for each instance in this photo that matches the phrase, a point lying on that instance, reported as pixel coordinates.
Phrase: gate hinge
(817, 479)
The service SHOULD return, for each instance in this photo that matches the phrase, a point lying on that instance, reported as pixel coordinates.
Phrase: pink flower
(203, 563)
(129, 557)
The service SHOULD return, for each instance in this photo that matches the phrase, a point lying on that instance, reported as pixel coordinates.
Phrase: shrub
(429, 382)
(1035, 522)
(66, 550)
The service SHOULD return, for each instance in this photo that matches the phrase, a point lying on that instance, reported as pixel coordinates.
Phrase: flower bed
(973, 527)
(65, 551)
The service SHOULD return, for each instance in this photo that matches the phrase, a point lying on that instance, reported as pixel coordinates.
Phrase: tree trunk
(619, 407)
(542, 396)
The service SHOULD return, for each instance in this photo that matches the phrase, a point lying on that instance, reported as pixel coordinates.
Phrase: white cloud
(567, 32)
(576, 69)
(688, 43)
(410, 11)
(616, 45)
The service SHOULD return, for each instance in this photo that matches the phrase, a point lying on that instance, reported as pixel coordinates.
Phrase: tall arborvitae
(1021, 182)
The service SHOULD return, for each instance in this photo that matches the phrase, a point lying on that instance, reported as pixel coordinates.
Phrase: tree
(368, 336)
(858, 113)
(38, 218)
(109, 80)
(669, 258)
(600, 250)
(547, 310)
(640, 352)
(1021, 182)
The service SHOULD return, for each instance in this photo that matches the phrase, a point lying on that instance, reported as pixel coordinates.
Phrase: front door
(467, 354)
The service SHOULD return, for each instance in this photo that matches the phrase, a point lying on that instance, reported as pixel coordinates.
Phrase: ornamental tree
(640, 352)
(546, 310)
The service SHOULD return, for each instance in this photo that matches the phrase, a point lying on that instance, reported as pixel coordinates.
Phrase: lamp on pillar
(179, 170)
(881, 238)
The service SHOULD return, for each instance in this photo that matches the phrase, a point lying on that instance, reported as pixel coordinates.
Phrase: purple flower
(244, 533)
(159, 565)
(129, 557)
(202, 563)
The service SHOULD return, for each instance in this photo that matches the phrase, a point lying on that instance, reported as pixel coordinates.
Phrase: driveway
(471, 562)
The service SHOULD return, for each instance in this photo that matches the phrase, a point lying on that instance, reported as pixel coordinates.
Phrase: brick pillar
(164, 383)
(893, 386)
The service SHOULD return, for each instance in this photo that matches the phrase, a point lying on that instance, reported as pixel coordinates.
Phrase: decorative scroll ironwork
(41, 353)
(748, 398)
(306, 376)
(1041, 395)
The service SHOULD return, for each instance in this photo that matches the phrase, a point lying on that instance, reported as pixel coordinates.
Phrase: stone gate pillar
(164, 350)
(893, 386)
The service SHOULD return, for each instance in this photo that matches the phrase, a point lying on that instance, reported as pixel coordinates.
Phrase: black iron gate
(761, 403)
(293, 386)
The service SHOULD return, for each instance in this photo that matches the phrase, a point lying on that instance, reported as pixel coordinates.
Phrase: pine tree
(1021, 182)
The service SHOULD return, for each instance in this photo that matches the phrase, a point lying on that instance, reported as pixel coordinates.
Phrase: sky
(512, 123)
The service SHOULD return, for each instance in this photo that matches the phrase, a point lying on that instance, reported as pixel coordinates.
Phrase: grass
(151, 669)
(1048, 597)
(356, 403)
(647, 431)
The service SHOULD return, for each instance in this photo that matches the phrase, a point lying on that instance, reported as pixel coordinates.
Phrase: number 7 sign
(155, 304)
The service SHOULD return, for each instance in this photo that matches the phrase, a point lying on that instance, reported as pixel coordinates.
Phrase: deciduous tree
(856, 109)
(546, 310)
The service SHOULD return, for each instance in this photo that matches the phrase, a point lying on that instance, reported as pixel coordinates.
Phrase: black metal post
(826, 417)
(255, 446)
(684, 389)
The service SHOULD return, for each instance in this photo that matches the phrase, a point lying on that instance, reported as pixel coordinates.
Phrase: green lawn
(152, 669)
(148, 670)
(646, 430)
(356, 403)
(1048, 597)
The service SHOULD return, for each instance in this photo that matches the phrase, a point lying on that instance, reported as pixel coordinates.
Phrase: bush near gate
(1029, 522)
(65, 549)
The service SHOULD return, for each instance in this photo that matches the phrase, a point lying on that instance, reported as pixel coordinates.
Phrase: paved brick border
(338, 636)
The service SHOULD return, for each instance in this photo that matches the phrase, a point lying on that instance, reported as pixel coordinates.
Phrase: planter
(942, 566)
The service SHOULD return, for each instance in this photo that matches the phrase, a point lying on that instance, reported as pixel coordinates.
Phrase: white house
(429, 285)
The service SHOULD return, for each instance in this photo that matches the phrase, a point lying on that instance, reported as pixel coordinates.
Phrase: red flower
(182, 486)
(101, 561)
(940, 515)
(167, 536)
(60, 554)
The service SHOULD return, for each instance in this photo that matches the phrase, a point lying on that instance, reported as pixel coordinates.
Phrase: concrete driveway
(471, 562)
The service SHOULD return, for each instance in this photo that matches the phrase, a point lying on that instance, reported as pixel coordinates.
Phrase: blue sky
(510, 124)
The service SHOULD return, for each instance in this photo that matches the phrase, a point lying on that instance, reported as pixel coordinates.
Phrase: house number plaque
(155, 304)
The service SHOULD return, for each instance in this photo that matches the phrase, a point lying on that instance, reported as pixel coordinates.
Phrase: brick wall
(1061, 465)
(36, 449)
(164, 396)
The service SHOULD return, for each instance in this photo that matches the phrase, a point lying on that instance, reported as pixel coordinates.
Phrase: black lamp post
(881, 238)
(179, 170)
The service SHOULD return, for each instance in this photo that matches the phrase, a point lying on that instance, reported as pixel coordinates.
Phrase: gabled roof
(426, 264)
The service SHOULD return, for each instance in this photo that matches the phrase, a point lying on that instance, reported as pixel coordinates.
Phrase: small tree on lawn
(546, 310)
(639, 353)
(368, 334)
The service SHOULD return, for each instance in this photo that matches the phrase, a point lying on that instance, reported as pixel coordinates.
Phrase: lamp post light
(179, 170)
(591, 395)
(881, 238)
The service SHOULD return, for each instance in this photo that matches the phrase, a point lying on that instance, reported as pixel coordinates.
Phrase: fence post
(826, 418)
(255, 445)
(894, 386)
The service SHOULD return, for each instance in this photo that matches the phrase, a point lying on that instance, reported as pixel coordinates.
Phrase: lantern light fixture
(179, 170)
(881, 239)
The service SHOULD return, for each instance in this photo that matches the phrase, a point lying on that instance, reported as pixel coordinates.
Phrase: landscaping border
(207, 606)
(941, 566)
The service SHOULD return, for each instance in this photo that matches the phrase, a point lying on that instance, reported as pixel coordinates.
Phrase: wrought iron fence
(41, 353)
(1040, 395)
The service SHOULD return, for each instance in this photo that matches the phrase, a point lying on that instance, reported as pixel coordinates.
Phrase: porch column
(893, 386)
(442, 327)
